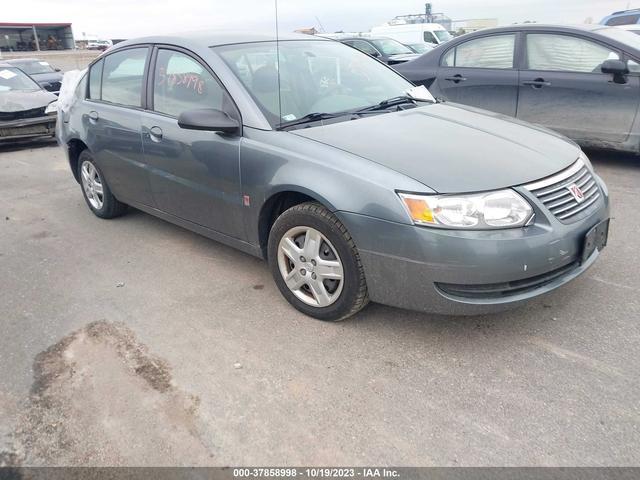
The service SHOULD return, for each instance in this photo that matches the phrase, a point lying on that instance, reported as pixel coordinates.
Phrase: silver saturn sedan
(352, 183)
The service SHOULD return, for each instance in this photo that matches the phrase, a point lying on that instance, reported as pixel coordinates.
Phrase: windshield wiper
(392, 102)
(310, 117)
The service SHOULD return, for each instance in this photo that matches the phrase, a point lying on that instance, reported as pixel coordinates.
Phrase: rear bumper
(28, 128)
(461, 273)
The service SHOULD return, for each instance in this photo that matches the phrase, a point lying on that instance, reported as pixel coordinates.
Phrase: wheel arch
(279, 201)
(75, 147)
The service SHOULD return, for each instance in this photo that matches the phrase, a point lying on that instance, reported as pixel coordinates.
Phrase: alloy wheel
(92, 185)
(310, 266)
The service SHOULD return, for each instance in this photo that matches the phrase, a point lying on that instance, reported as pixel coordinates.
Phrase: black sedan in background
(583, 82)
(387, 50)
(42, 72)
(26, 110)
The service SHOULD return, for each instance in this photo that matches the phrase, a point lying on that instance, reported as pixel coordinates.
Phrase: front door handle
(537, 83)
(155, 133)
(456, 79)
(93, 117)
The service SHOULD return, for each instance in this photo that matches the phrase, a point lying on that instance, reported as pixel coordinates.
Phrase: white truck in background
(413, 33)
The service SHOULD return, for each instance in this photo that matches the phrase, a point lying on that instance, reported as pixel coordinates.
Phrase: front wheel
(315, 263)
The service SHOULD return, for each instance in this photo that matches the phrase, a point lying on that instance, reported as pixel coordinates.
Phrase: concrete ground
(135, 342)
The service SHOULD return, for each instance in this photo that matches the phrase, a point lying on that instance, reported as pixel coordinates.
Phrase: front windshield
(443, 35)
(621, 35)
(389, 46)
(32, 68)
(15, 79)
(315, 77)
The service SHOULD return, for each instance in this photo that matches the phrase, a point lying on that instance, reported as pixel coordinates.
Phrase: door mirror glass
(208, 119)
(614, 67)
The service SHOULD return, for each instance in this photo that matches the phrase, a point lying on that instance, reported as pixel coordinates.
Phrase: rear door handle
(537, 83)
(155, 133)
(456, 79)
(93, 116)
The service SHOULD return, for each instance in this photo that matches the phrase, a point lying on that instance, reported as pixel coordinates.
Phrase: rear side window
(623, 20)
(563, 53)
(182, 83)
(487, 52)
(122, 77)
(95, 80)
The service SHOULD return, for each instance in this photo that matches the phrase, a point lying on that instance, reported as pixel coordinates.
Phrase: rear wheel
(95, 190)
(315, 263)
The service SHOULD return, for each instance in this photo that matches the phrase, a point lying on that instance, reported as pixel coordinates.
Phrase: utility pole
(427, 12)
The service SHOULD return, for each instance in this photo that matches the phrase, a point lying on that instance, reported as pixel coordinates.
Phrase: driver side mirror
(208, 119)
(617, 68)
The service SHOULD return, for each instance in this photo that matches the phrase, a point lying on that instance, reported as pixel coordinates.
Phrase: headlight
(478, 211)
(51, 108)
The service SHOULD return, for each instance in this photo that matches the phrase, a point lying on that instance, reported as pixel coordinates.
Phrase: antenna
(278, 65)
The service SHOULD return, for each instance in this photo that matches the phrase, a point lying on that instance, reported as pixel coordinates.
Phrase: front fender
(272, 162)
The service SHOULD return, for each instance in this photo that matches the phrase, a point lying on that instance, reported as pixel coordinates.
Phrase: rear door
(563, 88)
(194, 175)
(481, 73)
(112, 121)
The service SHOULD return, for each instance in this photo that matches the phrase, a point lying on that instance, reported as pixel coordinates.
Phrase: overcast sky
(131, 18)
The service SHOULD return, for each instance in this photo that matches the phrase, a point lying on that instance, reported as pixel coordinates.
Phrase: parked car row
(26, 109)
(583, 82)
(351, 182)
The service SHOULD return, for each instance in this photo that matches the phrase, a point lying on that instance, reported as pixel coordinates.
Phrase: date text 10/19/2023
(311, 472)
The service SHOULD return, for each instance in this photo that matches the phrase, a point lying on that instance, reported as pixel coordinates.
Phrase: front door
(194, 175)
(563, 88)
(481, 73)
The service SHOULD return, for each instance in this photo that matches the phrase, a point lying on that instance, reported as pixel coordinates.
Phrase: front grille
(33, 113)
(555, 194)
(506, 289)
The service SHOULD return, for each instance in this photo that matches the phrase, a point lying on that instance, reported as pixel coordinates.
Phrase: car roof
(587, 27)
(213, 38)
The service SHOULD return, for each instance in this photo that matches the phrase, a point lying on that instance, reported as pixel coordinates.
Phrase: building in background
(34, 37)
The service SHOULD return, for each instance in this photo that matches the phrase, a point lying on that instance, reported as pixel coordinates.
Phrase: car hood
(452, 148)
(18, 100)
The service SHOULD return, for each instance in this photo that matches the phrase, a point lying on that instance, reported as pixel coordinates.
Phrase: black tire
(353, 296)
(111, 207)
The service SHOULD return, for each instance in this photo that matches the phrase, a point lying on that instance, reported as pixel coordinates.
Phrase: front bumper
(415, 267)
(28, 128)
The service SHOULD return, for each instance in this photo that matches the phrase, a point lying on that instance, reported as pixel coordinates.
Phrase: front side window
(310, 76)
(429, 37)
(563, 53)
(123, 76)
(95, 80)
(488, 52)
(181, 83)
